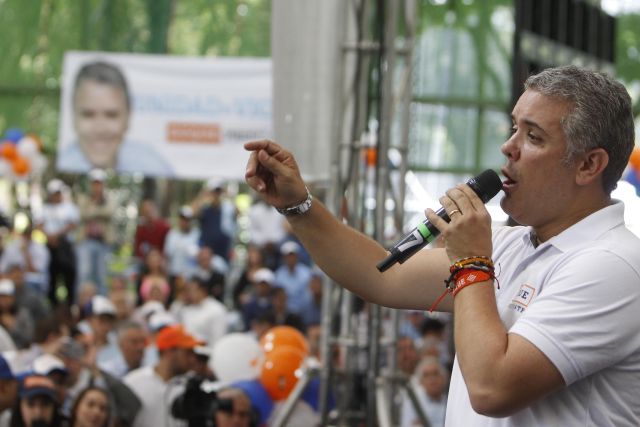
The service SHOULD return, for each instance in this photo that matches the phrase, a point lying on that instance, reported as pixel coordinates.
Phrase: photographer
(153, 384)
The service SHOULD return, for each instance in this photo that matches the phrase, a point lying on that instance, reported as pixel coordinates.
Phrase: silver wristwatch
(297, 209)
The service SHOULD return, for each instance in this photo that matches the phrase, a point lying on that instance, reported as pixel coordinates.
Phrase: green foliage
(35, 35)
(628, 51)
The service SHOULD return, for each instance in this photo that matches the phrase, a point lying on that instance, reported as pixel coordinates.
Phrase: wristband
(298, 209)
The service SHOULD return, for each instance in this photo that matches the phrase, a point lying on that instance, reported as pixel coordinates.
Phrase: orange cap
(175, 336)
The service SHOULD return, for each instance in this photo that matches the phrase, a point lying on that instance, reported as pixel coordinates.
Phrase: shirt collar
(585, 230)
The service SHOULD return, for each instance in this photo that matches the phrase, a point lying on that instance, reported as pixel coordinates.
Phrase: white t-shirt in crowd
(156, 396)
(576, 297)
(206, 320)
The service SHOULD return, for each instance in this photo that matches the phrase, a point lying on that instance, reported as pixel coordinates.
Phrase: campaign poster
(160, 115)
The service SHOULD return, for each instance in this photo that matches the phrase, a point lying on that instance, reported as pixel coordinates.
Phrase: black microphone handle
(486, 185)
(419, 237)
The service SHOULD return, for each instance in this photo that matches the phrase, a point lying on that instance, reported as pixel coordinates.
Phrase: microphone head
(486, 185)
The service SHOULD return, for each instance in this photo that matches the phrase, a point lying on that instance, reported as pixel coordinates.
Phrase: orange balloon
(634, 160)
(8, 150)
(20, 166)
(284, 336)
(281, 371)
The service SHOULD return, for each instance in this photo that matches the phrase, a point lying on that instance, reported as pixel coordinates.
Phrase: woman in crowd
(92, 408)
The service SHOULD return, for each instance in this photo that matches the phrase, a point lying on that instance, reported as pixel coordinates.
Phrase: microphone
(486, 186)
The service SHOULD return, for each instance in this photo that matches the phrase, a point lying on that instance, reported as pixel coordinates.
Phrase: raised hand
(274, 174)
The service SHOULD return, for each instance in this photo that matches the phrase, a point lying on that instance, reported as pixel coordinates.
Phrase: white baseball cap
(264, 275)
(97, 175)
(215, 183)
(102, 305)
(55, 186)
(289, 248)
(7, 287)
(46, 363)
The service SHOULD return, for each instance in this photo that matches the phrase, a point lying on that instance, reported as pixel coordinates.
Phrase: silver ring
(455, 211)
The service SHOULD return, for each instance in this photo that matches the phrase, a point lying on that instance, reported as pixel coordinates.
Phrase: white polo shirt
(576, 297)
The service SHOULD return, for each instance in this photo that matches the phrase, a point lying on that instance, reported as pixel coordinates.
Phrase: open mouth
(509, 182)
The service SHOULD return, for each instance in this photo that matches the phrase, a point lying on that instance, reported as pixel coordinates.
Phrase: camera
(199, 403)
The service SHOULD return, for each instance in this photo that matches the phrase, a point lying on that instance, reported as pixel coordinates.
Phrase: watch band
(297, 209)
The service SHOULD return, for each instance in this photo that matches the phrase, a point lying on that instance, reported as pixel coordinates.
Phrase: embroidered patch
(524, 296)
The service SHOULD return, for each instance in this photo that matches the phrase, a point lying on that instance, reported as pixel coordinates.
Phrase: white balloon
(28, 148)
(236, 357)
(5, 169)
(38, 164)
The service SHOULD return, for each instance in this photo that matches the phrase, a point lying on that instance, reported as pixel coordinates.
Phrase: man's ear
(591, 166)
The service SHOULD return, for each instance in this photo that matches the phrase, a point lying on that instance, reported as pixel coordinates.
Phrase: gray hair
(601, 115)
(428, 361)
(105, 73)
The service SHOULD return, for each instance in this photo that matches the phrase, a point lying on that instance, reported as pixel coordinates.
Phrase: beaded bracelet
(465, 272)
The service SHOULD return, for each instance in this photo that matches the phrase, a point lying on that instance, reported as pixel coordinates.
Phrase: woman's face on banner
(101, 118)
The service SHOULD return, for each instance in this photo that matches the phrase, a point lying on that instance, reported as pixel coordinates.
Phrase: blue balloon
(632, 178)
(311, 395)
(259, 397)
(13, 134)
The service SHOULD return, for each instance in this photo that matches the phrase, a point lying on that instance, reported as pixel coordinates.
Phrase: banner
(158, 115)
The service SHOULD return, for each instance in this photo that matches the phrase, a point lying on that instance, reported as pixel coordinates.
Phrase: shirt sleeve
(586, 315)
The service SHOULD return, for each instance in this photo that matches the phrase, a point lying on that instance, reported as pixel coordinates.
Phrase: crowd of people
(83, 345)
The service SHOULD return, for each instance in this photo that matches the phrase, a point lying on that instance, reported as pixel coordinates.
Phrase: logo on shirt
(523, 298)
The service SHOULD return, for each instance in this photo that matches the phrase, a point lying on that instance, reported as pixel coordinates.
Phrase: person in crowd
(100, 319)
(92, 408)
(79, 356)
(15, 319)
(155, 289)
(211, 269)
(564, 318)
(86, 292)
(47, 337)
(151, 232)
(217, 217)
(153, 384)
(58, 220)
(6, 342)
(311, 313)
(267, 230)
(262, 323)
(294, 277)
(204, 316)
(410, 323)
(33, 258)
(430, 385)
(52, 367)
(101, 114)
(26, 296)
(181, 246)
(96, 234)
(234, 409)
(132, 342)
(8, 386)
(434, 340)
(36, 405)
(313, 334)
(407, 355)
(281, 312)
(259, 301)
(153, 270)
(124, 301)
(244, 284)
(303, 254)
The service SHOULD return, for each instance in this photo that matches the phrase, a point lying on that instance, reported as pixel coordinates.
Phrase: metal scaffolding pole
(365, 103)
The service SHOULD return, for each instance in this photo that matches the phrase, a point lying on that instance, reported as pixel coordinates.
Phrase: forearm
(350, 258)
(488, 357)
(480, 337)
